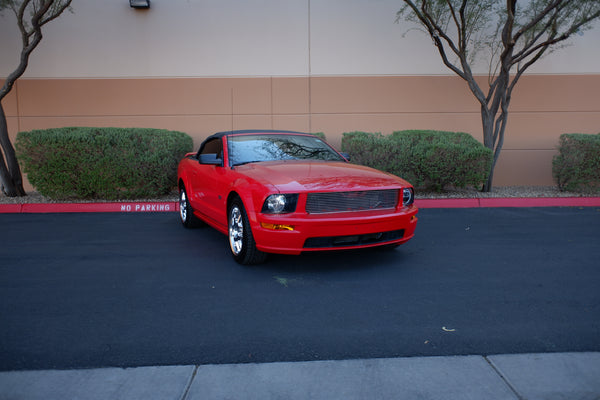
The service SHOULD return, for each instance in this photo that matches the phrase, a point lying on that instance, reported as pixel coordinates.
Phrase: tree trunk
(487, 122)
(10, 173)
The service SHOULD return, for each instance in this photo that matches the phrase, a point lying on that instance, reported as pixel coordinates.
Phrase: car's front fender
(253, 195)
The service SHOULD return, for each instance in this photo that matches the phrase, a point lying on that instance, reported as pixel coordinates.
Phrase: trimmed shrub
(102, 163)
(371, 149)
(576, 167)
(430, 160)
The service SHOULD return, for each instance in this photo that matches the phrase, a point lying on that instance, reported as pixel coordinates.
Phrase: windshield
(244, 149)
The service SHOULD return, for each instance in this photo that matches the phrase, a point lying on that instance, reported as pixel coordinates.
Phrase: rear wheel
(241, 241)
(186, 213)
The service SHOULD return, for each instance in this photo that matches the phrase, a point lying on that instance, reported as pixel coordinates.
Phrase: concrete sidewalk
(519, 376)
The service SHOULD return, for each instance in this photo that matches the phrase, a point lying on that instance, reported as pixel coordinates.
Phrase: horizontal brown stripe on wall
(544, 106)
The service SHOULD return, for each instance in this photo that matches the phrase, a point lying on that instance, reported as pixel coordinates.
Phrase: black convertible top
(242, 131)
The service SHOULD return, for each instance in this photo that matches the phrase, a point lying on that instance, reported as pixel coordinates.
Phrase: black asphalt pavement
(103, 290)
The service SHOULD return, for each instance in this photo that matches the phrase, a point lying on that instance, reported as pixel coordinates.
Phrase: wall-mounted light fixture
(139, 3)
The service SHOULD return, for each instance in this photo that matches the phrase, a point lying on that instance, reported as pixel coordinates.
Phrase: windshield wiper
(246, 162)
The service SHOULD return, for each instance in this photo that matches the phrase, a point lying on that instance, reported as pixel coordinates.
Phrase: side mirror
(210, 159)
(345, 155)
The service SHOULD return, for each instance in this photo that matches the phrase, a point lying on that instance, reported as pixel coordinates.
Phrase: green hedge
(576, 168)
(102, 163)
(430, 160)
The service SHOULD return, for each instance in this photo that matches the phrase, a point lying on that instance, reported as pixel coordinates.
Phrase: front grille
(333, 202)
(352, 240)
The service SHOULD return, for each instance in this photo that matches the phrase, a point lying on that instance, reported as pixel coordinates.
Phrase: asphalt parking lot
(128, 290)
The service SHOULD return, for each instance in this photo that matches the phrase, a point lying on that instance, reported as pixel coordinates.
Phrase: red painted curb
(447, 203)
(510, 202)
(420, 203)
(89, 207)
(10, 208)
(541, 202)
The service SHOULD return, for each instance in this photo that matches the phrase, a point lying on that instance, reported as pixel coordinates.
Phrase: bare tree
(515, 35)
(31, 15)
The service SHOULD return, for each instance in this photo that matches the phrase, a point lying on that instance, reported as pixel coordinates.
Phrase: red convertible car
(290, 192)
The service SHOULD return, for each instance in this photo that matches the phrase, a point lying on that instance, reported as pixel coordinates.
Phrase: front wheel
(241, 241)
(186, 213)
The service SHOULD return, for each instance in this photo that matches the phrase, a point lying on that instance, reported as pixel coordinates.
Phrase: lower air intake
(352, 240)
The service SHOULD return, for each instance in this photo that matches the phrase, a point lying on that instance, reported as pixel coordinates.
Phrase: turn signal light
(277, 227)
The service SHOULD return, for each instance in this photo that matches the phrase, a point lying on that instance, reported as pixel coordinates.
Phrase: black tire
(241, 241)
(186, 213)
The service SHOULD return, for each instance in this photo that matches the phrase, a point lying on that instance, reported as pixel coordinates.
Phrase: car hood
(299, 176)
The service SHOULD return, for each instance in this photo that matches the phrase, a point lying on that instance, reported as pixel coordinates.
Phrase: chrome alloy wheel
(183, 209)
(236, 230)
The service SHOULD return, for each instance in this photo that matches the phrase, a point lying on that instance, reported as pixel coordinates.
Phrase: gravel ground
(35, 197)
(504, 191)
(508, 191)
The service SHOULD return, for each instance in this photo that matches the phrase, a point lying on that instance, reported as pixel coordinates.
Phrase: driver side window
(211, 151)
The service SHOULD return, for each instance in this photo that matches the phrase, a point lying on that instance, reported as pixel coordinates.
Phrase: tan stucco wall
(544, 107)
(201, 66)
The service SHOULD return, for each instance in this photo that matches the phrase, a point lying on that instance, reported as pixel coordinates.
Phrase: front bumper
(297, 233)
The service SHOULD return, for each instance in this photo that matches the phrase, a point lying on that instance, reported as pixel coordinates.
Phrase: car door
(206, 196)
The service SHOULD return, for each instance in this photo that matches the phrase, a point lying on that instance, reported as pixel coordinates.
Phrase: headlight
(280, 203)
(408, 196)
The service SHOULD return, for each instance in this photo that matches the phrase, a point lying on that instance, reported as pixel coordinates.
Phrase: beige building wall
(329, 66)
(544, 107)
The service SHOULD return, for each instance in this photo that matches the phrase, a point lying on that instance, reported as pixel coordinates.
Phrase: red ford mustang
(290, 192)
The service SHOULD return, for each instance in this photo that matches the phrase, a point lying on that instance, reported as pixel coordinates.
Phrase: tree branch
(30, 38)
(41, 12)
(522, 38)
(439, 37)
(536, 19)
(552, 40)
